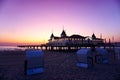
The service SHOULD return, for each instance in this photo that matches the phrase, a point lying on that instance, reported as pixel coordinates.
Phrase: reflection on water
(2, 48)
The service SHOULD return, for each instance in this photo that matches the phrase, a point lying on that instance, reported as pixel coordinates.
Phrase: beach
(57, 66)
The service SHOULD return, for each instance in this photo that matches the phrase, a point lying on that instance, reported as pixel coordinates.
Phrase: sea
(4, 48)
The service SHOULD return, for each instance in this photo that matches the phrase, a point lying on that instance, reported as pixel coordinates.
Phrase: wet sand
(58, 66)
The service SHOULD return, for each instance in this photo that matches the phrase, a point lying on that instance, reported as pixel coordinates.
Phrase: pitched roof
(52, 35)
(76, 36)
(93, 36)
(56, 37)
(63, 34)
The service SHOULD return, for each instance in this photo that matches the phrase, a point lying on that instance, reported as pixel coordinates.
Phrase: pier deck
(67, 47)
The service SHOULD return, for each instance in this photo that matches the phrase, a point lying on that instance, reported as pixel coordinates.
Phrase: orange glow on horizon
(22, 42)
(35, 40)
(33, 21)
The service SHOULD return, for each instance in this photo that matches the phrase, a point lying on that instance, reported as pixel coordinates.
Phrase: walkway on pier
(68, 47)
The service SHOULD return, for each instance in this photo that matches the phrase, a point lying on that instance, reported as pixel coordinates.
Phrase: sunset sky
(33, 21)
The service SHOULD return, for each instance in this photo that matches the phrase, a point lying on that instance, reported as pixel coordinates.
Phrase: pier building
(73, 40)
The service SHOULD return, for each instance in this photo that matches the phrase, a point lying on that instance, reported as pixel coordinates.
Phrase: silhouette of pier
(65, 48)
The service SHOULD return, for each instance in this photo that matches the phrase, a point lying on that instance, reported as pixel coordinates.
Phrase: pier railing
(65, 47)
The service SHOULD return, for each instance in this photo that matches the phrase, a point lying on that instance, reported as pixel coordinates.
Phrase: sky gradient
(33, 21)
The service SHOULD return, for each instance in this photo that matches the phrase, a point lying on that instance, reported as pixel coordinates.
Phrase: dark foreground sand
(58, 66)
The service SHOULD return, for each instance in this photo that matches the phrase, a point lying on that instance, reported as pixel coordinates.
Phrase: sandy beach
(58, 66)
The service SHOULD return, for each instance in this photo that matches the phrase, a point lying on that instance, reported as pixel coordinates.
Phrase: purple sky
(33, 21)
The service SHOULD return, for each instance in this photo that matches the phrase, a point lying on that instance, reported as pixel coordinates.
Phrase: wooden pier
(64, 48)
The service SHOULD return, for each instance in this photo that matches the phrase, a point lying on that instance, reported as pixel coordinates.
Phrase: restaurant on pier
(65, 42)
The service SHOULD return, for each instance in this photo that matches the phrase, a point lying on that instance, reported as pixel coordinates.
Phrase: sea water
(4, 48)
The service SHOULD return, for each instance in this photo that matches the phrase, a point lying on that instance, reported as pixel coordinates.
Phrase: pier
(71, 43)
(65, 48)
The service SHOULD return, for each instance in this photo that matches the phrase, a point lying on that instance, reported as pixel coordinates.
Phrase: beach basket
(34, 62)
(84, 58)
